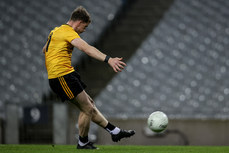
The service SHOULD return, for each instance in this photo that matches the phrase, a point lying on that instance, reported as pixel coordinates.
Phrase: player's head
(80, 13)
(80, 19)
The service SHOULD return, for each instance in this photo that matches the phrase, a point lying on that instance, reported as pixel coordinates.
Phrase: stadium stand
(181, 68)
(130, 27)
(24, 27)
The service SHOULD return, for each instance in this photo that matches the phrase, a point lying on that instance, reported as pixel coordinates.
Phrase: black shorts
(68, 86)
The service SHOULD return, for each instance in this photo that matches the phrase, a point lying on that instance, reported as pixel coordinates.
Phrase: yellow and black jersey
(58, 51)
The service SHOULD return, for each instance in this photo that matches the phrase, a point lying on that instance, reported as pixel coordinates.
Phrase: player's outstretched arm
(116, 63)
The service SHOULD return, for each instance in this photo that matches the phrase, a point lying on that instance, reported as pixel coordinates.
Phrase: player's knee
(90, 110)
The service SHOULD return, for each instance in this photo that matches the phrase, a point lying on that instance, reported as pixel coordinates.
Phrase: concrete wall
(11, 132)
(179, 132)
(60, 123)
(1, 131)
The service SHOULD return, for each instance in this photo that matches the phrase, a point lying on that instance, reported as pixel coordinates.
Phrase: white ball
(158, 121)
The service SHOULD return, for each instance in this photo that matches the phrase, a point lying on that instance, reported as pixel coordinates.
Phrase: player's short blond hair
(80, 13)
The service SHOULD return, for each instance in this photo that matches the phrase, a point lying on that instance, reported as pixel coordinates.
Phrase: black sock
(83, 139)
(109, 127)
(112, 129)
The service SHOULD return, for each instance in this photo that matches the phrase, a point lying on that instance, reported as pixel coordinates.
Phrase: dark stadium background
(177, 62)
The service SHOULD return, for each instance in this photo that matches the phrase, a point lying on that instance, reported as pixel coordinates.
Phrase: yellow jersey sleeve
(58, 52)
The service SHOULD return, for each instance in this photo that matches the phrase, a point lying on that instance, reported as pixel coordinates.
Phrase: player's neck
(70, 23)
(73, 24)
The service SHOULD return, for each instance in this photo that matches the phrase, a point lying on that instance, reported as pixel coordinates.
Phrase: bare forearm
(88, 49)
(116, 63)
(95, 53)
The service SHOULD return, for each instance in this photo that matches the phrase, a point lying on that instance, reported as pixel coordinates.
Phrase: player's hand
(117, 64)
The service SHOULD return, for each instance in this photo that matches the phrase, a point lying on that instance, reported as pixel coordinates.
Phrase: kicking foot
(89, 145)
(122, 134)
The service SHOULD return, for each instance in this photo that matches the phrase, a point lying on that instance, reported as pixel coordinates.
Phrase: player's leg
(97, 116)
(83, 124)
(86, 111)
(86, 108)
(116, 133)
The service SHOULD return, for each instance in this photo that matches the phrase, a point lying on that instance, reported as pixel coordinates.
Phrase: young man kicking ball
(66, 82)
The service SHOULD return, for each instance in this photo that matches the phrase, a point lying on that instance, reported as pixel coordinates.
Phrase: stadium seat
(181, 68)
(24, 28)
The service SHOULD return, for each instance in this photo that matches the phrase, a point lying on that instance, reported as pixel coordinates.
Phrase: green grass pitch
(112, 149)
